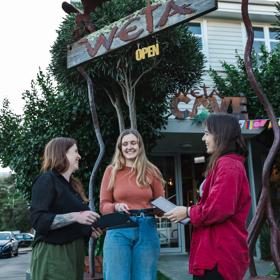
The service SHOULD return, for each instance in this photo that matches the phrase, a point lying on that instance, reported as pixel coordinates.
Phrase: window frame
(204, 38)
(266, 31)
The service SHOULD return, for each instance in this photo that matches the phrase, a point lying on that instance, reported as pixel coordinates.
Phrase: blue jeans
(132, 253)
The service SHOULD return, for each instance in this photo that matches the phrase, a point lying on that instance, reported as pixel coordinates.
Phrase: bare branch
(145, 72)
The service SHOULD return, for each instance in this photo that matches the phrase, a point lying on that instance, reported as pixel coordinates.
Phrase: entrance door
(169, 233)
(192, 177)
(183, 179)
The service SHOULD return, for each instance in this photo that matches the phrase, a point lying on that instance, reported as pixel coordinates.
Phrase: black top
(52, 194)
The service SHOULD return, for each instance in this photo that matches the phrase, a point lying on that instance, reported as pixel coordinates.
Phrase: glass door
(192, 177)
(169, 233)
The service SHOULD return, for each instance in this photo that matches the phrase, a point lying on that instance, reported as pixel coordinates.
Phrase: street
(15, 268)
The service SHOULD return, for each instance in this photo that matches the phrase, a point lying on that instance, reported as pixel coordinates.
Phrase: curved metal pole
(264, 208)
(97, 163)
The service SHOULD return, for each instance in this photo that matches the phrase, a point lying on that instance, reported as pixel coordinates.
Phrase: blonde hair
(55, 159)
(142, 167)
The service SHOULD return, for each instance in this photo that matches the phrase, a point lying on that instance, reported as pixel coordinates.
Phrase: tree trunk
(119, 113)
(128, 86)
(116, 102)
(132, 109)
(264, 207)
(97, 162)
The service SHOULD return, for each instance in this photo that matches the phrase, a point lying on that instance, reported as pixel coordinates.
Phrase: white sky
(28, 29)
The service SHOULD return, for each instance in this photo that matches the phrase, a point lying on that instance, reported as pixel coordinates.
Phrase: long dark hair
(227, 137)
(55, 160)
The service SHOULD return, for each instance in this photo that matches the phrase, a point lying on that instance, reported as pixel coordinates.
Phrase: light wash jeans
(132, 253)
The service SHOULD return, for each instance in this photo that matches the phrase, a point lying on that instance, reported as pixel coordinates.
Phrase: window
(196, 29)
(265, 36)
(273, 38)
(259, 39)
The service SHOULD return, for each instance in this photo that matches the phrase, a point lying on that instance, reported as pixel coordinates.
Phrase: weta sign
(145, 22)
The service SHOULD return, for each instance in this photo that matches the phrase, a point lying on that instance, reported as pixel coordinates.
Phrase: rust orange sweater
(126, 191)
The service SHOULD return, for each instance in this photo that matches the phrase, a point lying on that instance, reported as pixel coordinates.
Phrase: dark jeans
(210, 275)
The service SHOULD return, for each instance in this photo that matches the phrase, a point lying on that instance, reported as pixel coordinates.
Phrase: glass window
(273, 33)
(195, 28)
(273, 45)
(258, 32)
(257, 46)
(265, 36)
(273, 36)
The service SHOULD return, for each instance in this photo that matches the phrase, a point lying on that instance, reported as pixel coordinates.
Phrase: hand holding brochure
(166, 206)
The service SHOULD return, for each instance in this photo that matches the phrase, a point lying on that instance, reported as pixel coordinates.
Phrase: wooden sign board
(150, 20)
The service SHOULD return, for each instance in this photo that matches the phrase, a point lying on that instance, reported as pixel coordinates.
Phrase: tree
(118, 74)
(234, 81)
(62, 109)
(48, 113)
(14, 213)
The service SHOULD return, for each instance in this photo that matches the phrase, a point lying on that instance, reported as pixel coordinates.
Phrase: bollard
(27, 275)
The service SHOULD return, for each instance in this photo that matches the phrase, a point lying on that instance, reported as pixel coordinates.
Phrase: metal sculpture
(264, 209)
(97, 162)
(84, 26)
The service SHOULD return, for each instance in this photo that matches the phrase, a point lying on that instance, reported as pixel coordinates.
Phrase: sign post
(148, 21)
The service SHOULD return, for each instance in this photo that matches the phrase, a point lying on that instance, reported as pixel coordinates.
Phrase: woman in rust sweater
(128, 185)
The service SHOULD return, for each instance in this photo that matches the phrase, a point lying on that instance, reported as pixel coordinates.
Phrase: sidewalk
(24, 250)
(176, 267)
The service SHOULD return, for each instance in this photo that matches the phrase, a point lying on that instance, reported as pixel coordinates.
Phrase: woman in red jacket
(218, 248)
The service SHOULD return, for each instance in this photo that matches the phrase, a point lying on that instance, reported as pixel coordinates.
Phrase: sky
(28, 29)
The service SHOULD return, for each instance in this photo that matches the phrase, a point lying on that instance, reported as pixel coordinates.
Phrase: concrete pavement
(176, 267)
(14, 268)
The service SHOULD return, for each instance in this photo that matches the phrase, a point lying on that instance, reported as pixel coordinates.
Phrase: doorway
(183, 178)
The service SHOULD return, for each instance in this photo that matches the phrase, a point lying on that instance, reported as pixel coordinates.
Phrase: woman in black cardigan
(60, 215)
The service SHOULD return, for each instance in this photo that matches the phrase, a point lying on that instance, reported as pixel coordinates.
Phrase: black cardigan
(52, 194)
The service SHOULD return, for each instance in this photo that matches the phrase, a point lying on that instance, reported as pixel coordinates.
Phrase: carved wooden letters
(149, 20)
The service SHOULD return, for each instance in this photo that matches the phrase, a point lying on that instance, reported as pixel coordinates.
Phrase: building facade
(179, 154)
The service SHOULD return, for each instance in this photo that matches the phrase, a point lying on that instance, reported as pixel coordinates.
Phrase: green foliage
(99, 245)
(161, 276)
(180, 65)
(49, 112)
(200, 118)
(274, 273)
(234, 81)
(14, 213)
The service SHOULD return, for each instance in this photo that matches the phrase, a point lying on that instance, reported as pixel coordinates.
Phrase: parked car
(25, 239)
(8, 244)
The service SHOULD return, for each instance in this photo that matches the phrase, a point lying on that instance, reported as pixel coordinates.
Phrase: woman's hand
(121, 207)
(177, 214)
(158, 212)
(96, 232)
(86, 217)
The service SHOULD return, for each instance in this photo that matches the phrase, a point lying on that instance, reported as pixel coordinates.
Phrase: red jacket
(219, 221)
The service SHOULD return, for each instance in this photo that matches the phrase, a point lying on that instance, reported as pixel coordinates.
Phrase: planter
(98, 264)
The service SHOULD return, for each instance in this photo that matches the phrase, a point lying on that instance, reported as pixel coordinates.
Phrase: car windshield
(5, 236)
(19, 236)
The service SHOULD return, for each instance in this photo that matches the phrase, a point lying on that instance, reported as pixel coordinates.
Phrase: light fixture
(186, 145)
(170, 182)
